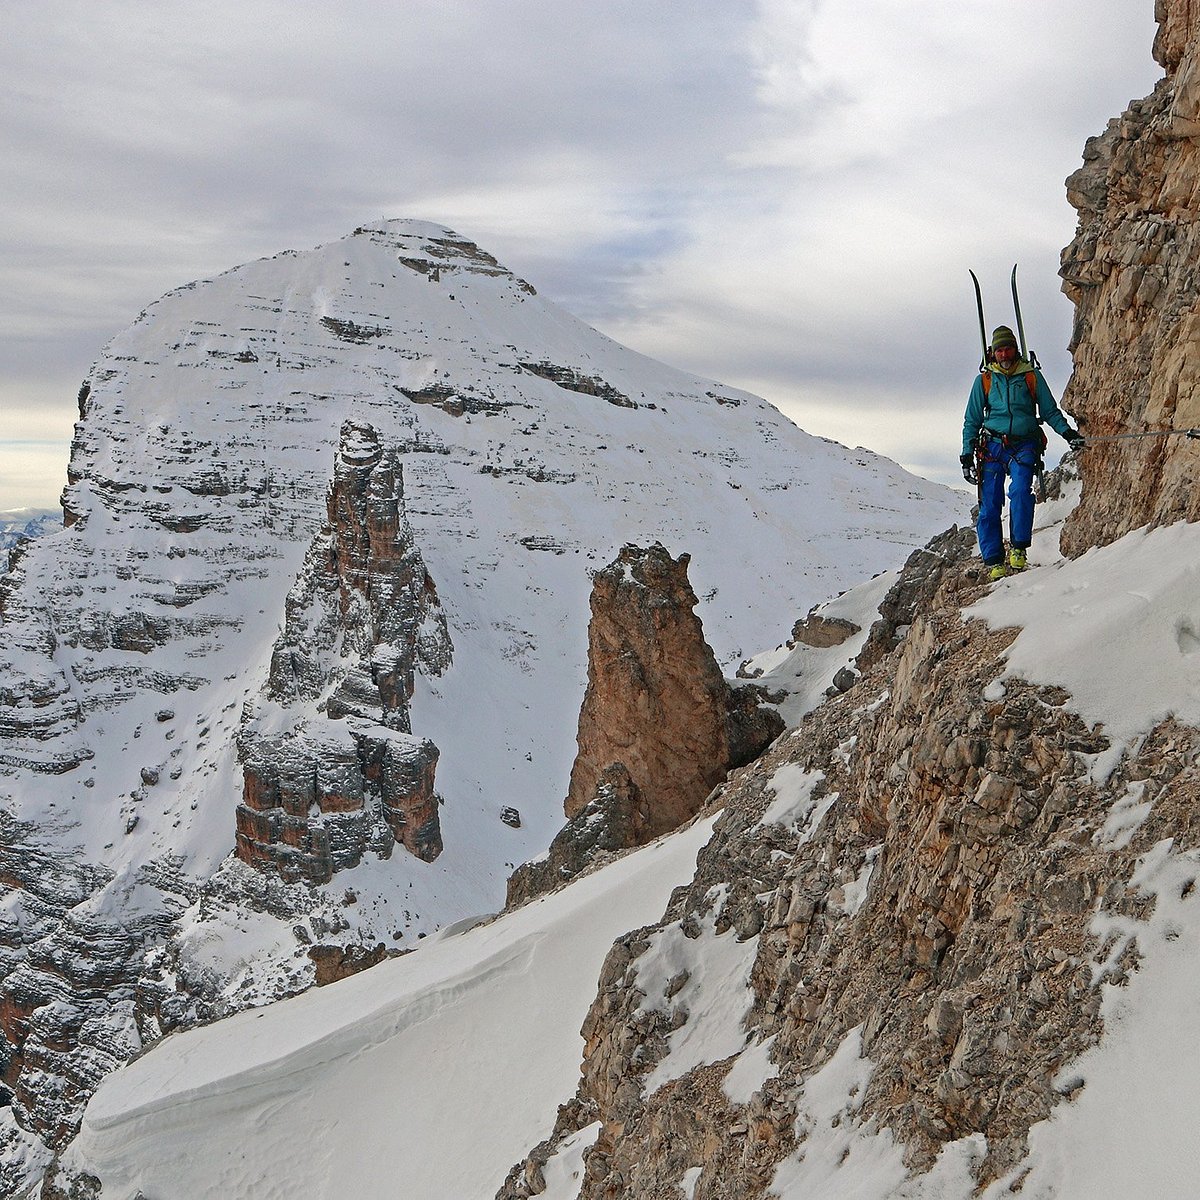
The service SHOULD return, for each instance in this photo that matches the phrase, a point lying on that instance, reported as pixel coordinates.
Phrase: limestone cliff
(1131, 272)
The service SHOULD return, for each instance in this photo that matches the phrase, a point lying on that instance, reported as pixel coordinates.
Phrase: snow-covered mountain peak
(139, 641)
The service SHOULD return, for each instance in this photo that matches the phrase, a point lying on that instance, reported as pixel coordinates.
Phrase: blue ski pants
(1018, 463)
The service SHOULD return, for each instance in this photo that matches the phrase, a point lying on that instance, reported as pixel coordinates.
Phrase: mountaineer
(1002, 438)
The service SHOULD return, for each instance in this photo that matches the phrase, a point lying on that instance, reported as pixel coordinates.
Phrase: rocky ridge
(917, 870)
(934, 876)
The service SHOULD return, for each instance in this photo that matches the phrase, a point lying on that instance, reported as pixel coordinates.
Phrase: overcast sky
(784, 195)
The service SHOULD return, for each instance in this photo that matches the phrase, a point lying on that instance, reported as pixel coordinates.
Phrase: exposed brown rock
(363, 590)
(659, 726)
(315, 800)
(340, 962)
(822, 632)
(1131, 273)
(656, 701)
(914, 591)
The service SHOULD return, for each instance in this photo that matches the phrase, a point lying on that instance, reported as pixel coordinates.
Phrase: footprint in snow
(1186, 637)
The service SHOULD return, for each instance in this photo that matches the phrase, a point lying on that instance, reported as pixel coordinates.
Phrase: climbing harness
(984, 436)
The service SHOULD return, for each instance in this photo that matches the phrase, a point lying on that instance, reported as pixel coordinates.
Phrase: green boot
(1016, 558)
(998, 571)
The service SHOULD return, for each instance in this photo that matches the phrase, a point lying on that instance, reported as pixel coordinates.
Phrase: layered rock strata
(320, 790)
(915, 873)
(40, 716)
(75, 997)
(1131, 274)
(659, 727)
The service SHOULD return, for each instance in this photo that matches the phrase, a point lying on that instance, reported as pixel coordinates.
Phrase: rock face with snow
(660, 726)
(913, 879)
(323, 789)
(1137, 328)
(237, 643)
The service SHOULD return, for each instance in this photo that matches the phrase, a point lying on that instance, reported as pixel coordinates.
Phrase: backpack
(1030, 383)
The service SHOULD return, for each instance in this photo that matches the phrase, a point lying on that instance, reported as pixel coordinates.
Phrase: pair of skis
(1026, 353)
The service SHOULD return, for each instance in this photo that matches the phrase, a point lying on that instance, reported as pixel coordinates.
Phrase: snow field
(429, 1075)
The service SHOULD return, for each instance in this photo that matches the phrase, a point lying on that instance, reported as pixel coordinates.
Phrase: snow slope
(427, 1076)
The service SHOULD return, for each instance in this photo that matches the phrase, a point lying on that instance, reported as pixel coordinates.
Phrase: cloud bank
(785, 195)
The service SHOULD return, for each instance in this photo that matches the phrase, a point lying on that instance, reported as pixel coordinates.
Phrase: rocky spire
(660, 726)
(320, 791)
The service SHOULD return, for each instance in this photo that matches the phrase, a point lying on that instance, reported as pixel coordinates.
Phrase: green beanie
(1003, 336)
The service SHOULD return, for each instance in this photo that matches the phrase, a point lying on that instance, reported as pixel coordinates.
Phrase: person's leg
(991, 505)
(1021, 467)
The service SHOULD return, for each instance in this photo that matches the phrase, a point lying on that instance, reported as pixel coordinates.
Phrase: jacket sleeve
(973, 418)
(1047, 409)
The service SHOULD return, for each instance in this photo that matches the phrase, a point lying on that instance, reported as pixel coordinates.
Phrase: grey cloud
(147, 146)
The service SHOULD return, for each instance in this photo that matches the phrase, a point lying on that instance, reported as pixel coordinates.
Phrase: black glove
(968, 466)
(1073, 438)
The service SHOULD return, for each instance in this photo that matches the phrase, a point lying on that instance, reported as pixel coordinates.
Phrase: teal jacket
(1008, 410)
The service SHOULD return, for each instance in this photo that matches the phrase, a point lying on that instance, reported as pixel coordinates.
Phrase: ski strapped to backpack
(987, 356)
